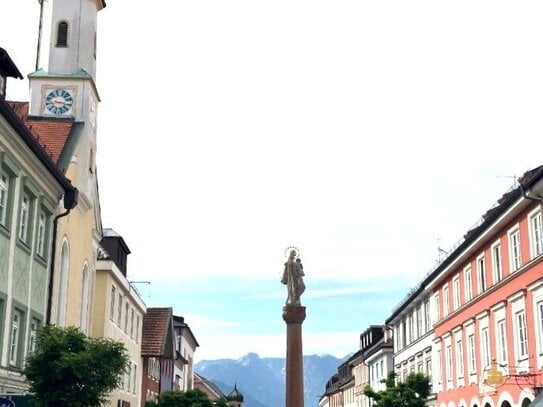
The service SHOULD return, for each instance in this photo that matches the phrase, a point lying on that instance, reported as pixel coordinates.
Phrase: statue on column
(293, 279)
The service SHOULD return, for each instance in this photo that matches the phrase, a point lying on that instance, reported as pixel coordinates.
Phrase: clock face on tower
(59, 101)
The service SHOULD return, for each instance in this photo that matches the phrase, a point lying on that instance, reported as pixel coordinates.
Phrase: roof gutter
(472, 236)
(531, 198)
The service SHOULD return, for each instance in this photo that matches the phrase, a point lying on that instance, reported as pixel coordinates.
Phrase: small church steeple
(235, 398)
(67, 37)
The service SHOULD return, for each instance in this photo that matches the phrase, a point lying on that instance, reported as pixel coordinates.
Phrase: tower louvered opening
(62, 34)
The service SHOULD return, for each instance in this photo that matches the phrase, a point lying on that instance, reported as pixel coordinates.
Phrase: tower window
(62, 34)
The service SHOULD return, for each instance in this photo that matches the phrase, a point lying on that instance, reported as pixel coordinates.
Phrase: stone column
(294, 315)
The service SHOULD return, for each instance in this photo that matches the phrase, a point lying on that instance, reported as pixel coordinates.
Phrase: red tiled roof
(155, 328)
(51, 134)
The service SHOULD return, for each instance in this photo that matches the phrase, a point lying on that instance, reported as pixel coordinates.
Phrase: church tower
(63, 92)
(64, 85)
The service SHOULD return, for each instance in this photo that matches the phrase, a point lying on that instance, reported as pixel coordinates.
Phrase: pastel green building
(31, 188)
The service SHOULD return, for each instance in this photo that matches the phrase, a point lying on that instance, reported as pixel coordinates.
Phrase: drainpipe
(70, 201)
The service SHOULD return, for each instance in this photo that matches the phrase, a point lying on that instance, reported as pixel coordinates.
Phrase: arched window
(526, 402)
(62, 34)
(84, 312)
(63, 283)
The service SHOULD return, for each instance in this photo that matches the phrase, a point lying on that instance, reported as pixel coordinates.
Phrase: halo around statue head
(291, 248)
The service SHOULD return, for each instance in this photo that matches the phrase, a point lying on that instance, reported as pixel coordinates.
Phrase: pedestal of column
(294, 315)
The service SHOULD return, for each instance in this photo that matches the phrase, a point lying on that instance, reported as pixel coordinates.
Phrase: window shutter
(62, 34)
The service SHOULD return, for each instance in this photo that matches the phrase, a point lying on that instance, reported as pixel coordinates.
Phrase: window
(456, 292)
(481, 274)
(438, 307)
(4, 195)
(459, 359)
(132, 323)
(427, 321)
(119, 310)
(536, 234)
(84, 310)
(135, 375)
(540, 323)
(128, 378)
(126, 312)
(497, 269)
(16, 323)
(137, 327)
(411, 330)
(449, 362)
(63, 283)
(23, 220)
(429, 368)
(501, 339)
(446, 300)
(471, 353)
(467, 283)
(112, 304)
(40, 242)
(34, 325)
(419, 322)
(439, 367)
(62, 34)
(514, 249)
(485, 350)
(522, 339)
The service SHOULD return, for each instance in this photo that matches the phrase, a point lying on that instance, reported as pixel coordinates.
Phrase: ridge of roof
(155, 329)
(527, 180)
(210, 384)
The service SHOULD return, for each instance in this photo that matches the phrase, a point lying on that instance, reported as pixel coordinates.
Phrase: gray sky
(361, 132)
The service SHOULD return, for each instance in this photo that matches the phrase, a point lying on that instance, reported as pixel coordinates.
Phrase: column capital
(293, 314)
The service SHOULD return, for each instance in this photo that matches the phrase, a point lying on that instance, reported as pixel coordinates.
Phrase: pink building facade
(474, 325)
(488, 301)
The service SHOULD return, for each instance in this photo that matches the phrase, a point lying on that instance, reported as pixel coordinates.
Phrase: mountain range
(262, 380)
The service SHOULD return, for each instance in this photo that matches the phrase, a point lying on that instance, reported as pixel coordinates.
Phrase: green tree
(220, 402)
(69, 369)
(412, 392)
(190, 398)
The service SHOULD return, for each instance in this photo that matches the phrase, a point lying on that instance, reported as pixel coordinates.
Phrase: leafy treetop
(412, 392)
(69, 369)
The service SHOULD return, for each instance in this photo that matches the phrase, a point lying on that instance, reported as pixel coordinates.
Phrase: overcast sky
(366, 133)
